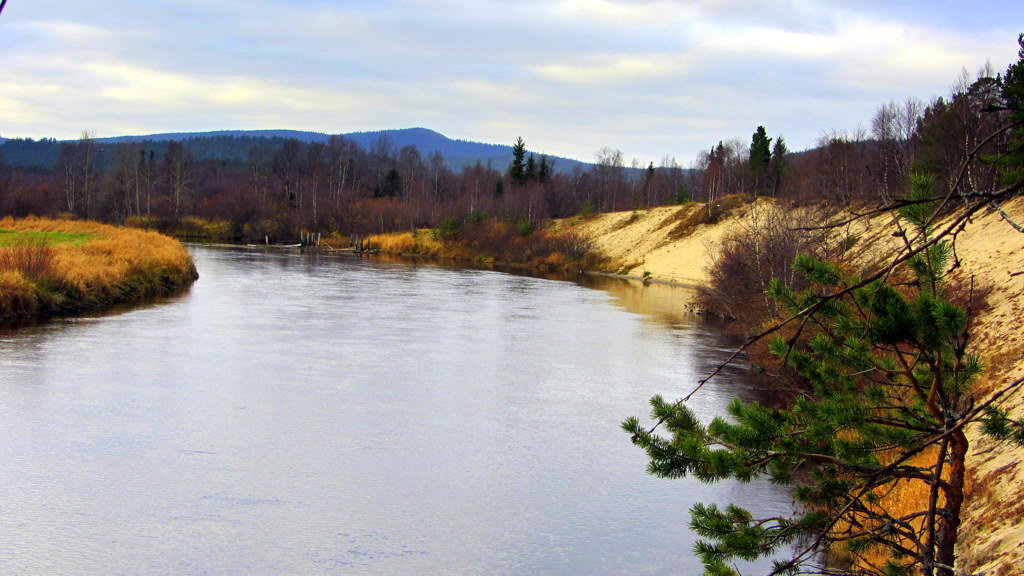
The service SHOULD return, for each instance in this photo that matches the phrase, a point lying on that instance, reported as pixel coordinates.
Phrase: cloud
(613, 69)
(651, 77)
(653, 13)
(70, 32)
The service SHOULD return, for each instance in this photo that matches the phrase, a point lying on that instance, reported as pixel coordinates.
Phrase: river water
(305, 414)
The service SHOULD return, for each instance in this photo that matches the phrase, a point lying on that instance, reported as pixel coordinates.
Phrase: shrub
(742, 268)
(448, 229)
(35, 262)
(587, 208)
(524, 227)
(682, 194)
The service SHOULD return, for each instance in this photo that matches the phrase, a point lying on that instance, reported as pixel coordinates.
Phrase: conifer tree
(777, 166)
(888, 371)
(1012, 87)
(544, 172)
(760, 158)
(517, 171)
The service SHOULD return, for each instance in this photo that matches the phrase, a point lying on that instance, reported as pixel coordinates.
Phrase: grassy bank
(496, 242)
(52, 267)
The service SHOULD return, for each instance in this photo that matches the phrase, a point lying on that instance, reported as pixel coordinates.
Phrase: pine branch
(901, 258)
(1007, 218)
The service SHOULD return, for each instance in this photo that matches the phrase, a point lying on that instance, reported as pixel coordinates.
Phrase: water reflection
(319, 414)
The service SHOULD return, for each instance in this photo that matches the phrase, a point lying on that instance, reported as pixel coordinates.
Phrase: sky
(652, 78)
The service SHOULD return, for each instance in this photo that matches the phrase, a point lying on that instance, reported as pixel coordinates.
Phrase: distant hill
(457, 153)
(304, 136)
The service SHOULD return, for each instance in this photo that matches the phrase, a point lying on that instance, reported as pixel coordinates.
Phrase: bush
(682, 194)
(524, 227)
(35, 262)
(448, 229)
(477, 216)
(587, 208)
(742, 268)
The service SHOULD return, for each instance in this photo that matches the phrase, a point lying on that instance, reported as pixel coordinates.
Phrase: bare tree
(314, 173)
(88, 165)
(894, 127)
(127, 179)
(286, 163)
(608, 172)
(177, 174)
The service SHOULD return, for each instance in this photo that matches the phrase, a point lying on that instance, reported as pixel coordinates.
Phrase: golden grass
(111, 265)
(396, 243)
(897, 499)
(495, 242)
(421, 242)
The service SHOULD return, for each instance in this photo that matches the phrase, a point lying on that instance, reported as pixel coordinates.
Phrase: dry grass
(697, 215)
(898, 499)
(494, 242)
(418, 242)
(67, 265)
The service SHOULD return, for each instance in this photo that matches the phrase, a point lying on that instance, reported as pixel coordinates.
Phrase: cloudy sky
(649, 77)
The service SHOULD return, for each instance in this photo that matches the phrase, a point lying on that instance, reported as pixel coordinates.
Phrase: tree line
(281, 187)
(278, 187)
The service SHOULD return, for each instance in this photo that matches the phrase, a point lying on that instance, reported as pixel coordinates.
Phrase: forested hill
(235, 146)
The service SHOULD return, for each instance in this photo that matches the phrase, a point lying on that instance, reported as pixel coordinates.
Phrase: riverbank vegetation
(484, 240)
(50, 266)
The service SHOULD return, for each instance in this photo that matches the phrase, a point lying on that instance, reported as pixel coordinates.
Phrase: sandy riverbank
(992, 540)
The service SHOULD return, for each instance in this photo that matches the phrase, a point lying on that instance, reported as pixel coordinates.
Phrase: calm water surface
(299, 414)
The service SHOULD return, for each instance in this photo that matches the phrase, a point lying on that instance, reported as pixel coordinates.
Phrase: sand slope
(645, 241)
(993, 536)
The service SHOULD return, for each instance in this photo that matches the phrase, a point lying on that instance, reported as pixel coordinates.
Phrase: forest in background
(278, 188)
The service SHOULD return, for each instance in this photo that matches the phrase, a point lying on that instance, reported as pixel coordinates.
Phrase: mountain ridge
(231, 145)
(457, 152)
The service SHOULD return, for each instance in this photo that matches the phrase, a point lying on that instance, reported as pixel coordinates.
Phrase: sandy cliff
(656, 242)
(652, 240)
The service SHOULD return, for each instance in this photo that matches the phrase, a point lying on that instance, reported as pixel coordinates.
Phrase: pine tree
(777, 166)
(391, 186)
(544, 172)
(760, 157)
(517, 171)
(683, 195)
(1011, 164)
(531, 168)
(887, 399)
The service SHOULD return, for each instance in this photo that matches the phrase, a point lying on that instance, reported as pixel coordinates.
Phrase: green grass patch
(18, 237)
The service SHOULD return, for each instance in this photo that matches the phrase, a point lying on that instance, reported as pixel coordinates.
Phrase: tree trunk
(949, 526)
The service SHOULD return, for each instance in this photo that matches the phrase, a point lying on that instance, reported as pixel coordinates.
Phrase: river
(317, 414)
